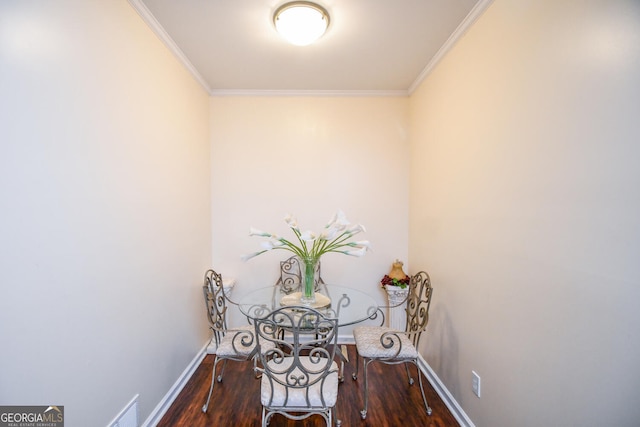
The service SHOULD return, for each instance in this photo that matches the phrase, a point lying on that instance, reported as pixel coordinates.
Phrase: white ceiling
(371, 46)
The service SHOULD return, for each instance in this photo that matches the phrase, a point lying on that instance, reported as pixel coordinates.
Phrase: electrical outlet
(475, 383)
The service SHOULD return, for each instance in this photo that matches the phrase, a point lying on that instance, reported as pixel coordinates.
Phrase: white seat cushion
(369, 345)
(297, 396)
(235, 337)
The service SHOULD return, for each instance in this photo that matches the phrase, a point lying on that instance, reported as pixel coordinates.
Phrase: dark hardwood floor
(236, 400)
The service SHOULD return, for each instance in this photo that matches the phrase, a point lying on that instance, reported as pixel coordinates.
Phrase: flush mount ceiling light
(301, 22)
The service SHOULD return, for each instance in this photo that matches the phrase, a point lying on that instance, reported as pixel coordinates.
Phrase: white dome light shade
(301, 22)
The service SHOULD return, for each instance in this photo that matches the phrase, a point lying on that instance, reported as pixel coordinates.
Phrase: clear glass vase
(309, 280)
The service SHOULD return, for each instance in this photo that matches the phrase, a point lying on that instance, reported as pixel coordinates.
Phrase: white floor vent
(128, 417)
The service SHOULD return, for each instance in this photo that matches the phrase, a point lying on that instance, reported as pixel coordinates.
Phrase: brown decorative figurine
(396, 276)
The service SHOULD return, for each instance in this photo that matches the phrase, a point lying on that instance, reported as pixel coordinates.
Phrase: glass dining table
(348, 305)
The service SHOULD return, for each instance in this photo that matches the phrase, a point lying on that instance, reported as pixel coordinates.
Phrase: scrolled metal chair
(299, 375)
(290, 279)
(236, 344)
(383, 344)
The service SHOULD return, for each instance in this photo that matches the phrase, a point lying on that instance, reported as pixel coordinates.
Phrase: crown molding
(468, 21)
(155, 26)
(314, 93)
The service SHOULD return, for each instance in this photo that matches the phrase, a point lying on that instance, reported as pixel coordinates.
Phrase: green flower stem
(338, 242)
(290, 247)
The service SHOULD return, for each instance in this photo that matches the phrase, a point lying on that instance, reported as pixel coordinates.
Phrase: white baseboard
(445, 395)
(128, 417)
(156, 415)
(438, 386)
(346, 339)
(166, 402)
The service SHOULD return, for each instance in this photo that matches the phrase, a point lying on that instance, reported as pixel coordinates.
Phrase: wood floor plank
(236, 401)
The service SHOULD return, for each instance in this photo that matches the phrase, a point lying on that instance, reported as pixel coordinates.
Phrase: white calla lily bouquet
(334, 238)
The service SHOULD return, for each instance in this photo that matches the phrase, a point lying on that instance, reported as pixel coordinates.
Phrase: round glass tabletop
(349, 305)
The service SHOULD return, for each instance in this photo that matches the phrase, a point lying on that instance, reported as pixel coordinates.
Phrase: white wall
(309, 156)
(105, 218)
(525, 208)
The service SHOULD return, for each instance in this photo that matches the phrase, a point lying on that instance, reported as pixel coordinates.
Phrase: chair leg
(265, 417)
(406, 367)
(355, 373)
(343, 358)
(365, 365)
(224, 364)
(424, 398)
(213, 381)
(333, 413)
(255, 367)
